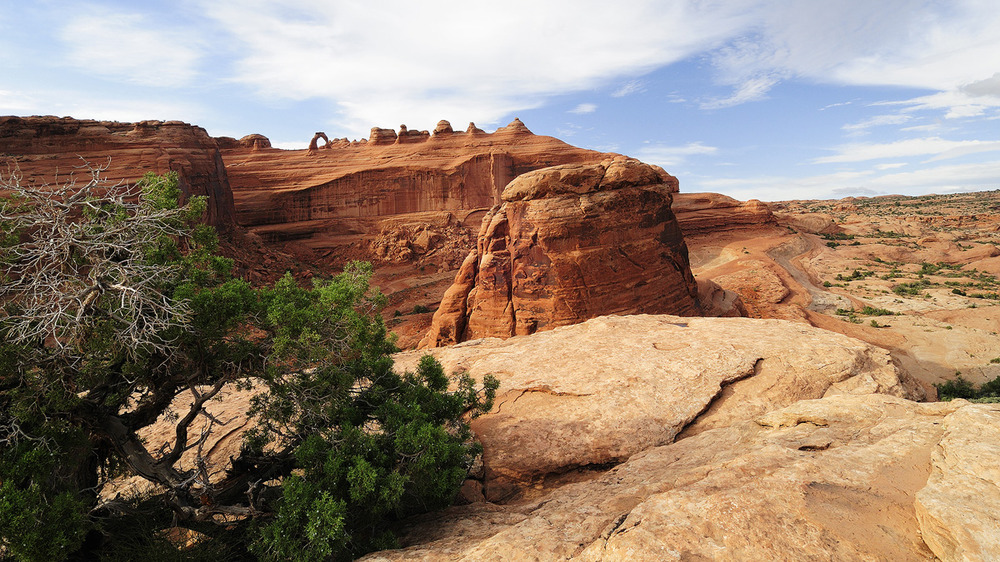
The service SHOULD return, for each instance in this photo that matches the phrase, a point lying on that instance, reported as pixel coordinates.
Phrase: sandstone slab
(596, 393)
(827, 479)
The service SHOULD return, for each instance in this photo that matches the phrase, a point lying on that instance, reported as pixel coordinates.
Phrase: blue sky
(767, 99)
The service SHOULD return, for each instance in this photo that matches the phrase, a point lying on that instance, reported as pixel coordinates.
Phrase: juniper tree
(114, 305)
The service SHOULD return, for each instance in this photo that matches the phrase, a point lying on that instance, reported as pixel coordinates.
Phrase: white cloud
(753, 89)
(936, 146)
(131, 47)
(940, 179)
(877, 121)
(95, 105)
(393, 61)
(628, 88)
(890, 165)
(584, 108)
(15, 103)
(669, 156)
(940, 46)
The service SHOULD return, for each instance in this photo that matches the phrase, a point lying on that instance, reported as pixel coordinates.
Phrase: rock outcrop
(710, 213)
(569, 243)
(732, 439)
(596, 393)
(328, 206)
(40, 148)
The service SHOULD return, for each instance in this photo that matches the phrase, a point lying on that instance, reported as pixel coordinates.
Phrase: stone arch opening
(319, 135)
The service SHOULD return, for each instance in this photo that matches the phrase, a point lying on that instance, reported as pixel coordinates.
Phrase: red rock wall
(313, 194)
(570, 243)
(41, 147)
(707, 213)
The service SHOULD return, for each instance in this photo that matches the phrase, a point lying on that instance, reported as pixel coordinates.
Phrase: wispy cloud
(376, 65)
(584, 108)
(131, 47)
(88, 105)
(877, 121)
(937, 147)
(943, 47)
(668, 155)
(754, 89)
(936, 179)
(832, 105)
(628, 88)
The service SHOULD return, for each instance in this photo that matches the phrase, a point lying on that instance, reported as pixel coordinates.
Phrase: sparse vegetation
(959, 387)
(114, 305)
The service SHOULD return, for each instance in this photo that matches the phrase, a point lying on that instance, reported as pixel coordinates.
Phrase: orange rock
(49, 149)
(569, 243)
(703, 213)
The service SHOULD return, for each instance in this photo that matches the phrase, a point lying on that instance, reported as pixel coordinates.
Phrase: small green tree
(114, 305)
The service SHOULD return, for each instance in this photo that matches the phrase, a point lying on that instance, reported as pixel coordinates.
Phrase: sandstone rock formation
(329, 206)
(255, 142)
(598, 392)
(569, 243)
(314, 142)
(443, 128)
(711, 213)
(39, 148)
(817, 467)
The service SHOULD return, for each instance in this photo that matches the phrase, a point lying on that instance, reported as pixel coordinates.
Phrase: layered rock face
(711, 213)
(730, 439)
(331, 199)
(42, 147)
(570, 243)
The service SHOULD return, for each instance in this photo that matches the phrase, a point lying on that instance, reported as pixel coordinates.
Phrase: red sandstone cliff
(40, 147)
(707, 213)
(329, 196)
(569, 243)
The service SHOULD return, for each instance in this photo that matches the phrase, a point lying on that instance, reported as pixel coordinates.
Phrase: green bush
(134, 311)
(962, 388)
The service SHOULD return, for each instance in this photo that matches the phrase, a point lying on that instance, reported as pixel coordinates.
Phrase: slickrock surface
(569, 243)
(596, 393)
(957, 510)
(40, 147)
(827, 479)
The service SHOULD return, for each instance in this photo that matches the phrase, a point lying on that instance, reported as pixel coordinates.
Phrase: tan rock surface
(598, 392)
(827, 479)
(957, 510)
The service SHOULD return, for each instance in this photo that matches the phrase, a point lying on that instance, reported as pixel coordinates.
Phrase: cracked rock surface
(827, 479)
(594, 394)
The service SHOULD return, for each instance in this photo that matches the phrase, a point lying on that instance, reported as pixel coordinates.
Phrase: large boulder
(594, 394)
(569, 243)
(828, 479)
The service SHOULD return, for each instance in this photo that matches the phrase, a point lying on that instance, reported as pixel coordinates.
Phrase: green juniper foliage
(114, 305)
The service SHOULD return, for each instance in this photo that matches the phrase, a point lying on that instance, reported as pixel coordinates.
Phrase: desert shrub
(113, 304)
(962, 388)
